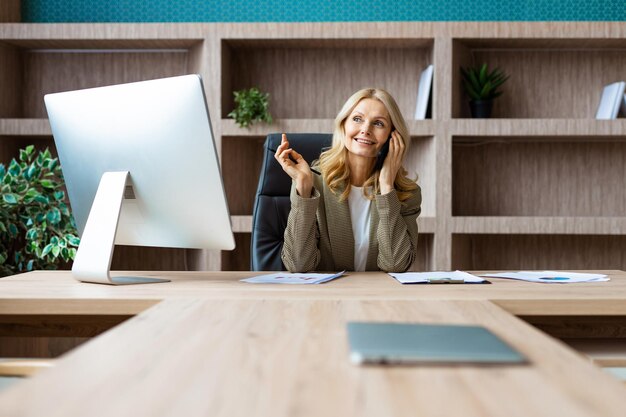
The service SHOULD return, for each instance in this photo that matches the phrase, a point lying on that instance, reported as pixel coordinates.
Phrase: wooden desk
(206, 344)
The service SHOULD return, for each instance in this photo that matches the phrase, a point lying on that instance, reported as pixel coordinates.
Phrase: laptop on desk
(406, 343)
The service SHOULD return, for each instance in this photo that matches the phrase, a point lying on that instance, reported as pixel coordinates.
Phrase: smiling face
(367, 128)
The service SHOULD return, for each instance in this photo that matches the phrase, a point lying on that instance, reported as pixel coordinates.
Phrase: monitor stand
(93, 258)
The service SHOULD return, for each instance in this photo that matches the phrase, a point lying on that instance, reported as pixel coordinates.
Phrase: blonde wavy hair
(333, 162)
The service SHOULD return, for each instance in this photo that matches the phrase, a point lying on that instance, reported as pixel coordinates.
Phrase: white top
(360, 209)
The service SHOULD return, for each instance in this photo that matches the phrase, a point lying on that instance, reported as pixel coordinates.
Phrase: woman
(355, 214)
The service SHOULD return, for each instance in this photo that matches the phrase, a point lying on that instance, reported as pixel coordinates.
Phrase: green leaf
(53, 216)
(21, 188)
(10, 198)
(483, 74)
(32, 234)
(30, 149)
(474, 80)
(59, 195)
(13, 229)
(55, 251)
(48, 184)
(14, 168)
(40, 198)
(31, 171)
(52, 164)
(46, 250)
(486, 90)
(72, 240)
(3, 258)
(3, 228)
(29, 265)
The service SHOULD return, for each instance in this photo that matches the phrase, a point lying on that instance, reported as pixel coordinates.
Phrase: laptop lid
(427, 343)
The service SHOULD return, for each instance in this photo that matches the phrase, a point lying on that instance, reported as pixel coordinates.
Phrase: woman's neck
(360, 169)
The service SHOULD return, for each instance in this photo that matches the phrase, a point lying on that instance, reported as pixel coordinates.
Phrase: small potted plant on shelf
(482, 88)
(37, 230)
(251, 106)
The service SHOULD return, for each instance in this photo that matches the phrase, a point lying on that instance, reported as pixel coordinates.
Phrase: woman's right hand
(299, 170)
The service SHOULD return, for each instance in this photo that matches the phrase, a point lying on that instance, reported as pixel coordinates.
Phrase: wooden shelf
(25, 127)
(602, 352)
(536, 129)
(551, 178)
(243, 224)
(427, 224)
(230, 128)
(312, 77)
(526, 251)
(550, 77)
(540, 225)
(535, 186)
(71, 35)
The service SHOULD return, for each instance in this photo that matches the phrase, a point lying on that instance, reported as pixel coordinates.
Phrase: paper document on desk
(550, 277)
(437, 277)
(293, 278)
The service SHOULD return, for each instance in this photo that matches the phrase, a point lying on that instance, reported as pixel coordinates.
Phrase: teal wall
(318, 10)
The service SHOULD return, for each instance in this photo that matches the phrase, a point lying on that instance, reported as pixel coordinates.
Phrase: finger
(392, 143)
(279, 153)
(399, 144)
(397, 139)
(282, 147)
(285, 154)
(296, 156)
(400, 141)
(283, 157)
(284, 139)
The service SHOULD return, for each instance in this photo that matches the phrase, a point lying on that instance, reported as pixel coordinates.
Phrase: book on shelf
(424, 96)
(611, 100)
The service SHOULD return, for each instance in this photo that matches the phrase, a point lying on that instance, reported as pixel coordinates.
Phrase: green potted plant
(481, 86)
(37, 230)
(251, 106)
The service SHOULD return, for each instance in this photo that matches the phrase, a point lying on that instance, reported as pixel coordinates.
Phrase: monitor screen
(159, 134)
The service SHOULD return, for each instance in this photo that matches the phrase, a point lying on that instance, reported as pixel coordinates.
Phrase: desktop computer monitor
(141, 168)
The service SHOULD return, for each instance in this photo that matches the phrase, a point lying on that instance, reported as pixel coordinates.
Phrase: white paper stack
(456, 277)
(550, 277)
(296, 278)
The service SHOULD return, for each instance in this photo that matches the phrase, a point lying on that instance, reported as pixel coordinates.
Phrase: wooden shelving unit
(540, 185)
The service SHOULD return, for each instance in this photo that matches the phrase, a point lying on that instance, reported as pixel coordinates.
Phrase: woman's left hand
(392, 164)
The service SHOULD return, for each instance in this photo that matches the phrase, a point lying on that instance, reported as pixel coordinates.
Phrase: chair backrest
(272, 205)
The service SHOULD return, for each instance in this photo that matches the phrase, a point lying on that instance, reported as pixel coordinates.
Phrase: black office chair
(272, 206)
